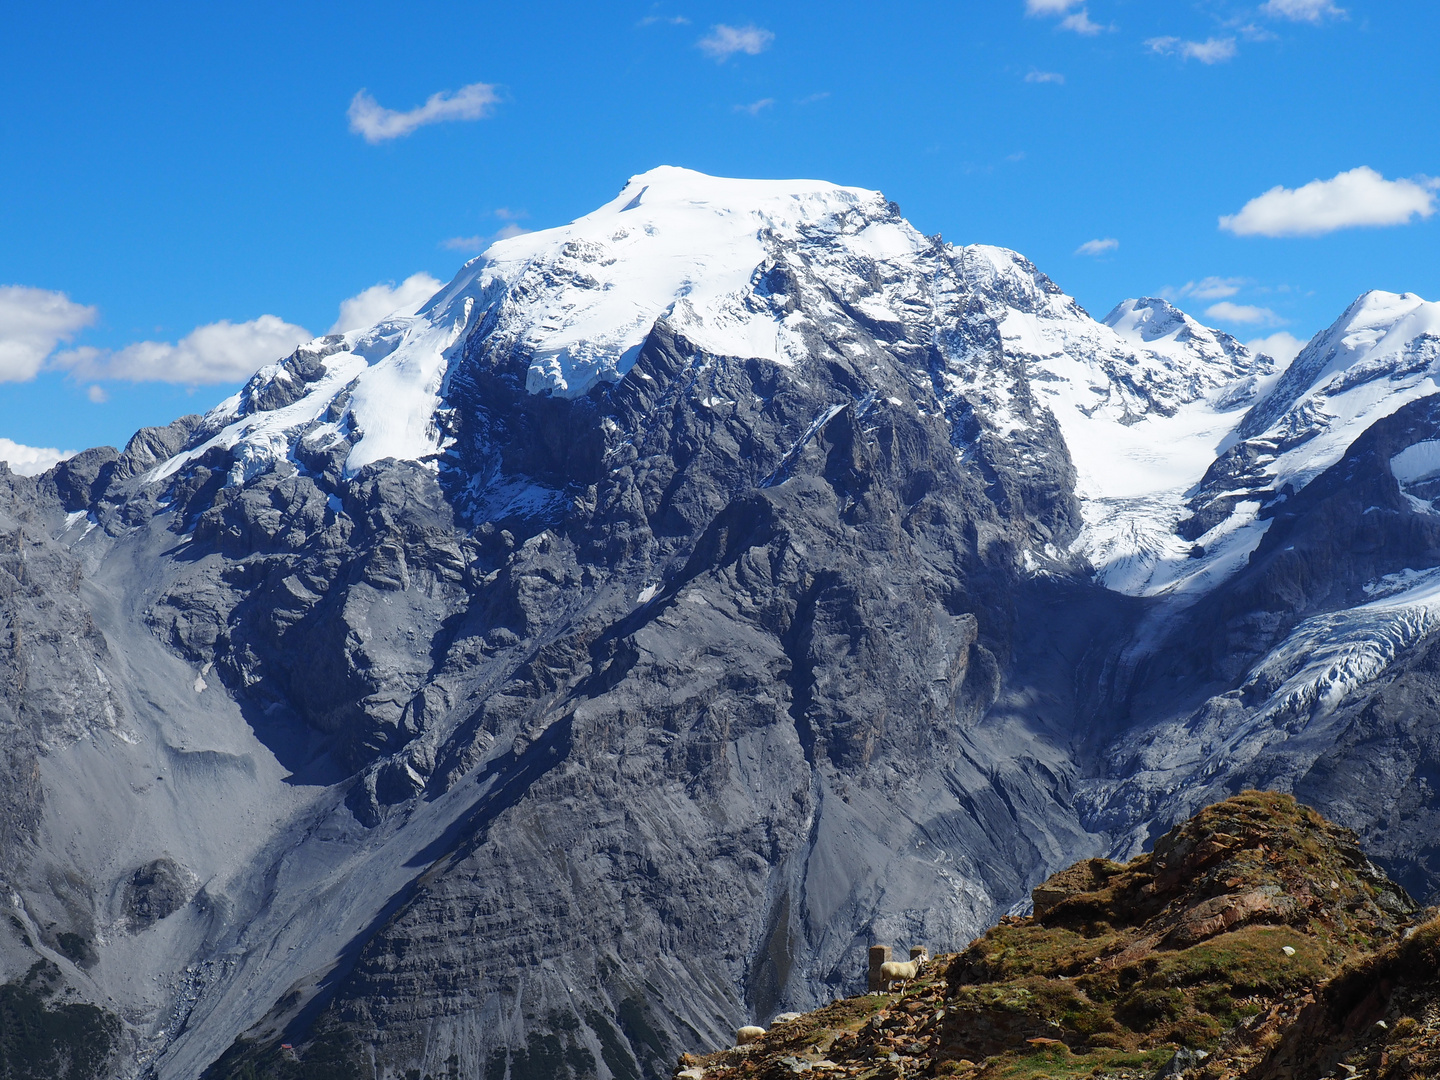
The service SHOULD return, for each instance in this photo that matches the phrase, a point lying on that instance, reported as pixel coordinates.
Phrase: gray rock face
(614, 718)
(159, 888)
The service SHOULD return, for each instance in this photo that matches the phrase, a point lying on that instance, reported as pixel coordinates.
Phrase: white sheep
(893, 971)
(748, 1034)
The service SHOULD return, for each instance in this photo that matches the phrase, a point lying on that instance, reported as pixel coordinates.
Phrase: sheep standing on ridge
(748, 1034)
(901, 971)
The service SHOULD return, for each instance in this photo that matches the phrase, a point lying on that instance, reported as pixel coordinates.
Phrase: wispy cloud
(481, 241)
(666, 20)
(811, 99)
(1077, 21)
(1081, 23)
(369, 306)
(1045, 77)
(31, 460)
(464, 243)
(1311, 11)
(374, 122)
(1209, 51)
(219, 352)
(1097, 247)
(1213, 288)
(1248, 314)
(1282, 345)
(32, 323)
(724, 41)
(1254, 32)
(755, 107)
(1358, 198)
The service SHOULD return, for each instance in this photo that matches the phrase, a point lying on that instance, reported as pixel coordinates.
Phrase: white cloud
(1360, 197)
(371, 305)
(724, 41)
(1311, 11)
(1081, 23)
(32, 323)
(1226, 311)
(480, 242)
(756, 107)
(1097, 247)
(1078, 21)
(229, 352)
(1209, 51)
(216, 353)
(31, 460)
(1213, 288)
(1282, 345)
(1045, 77)
(377, 123)
(668, 20)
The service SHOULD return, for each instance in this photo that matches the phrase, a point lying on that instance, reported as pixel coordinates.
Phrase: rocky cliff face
(546, 683)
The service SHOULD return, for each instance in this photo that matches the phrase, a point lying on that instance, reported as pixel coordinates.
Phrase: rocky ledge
(1256, 940)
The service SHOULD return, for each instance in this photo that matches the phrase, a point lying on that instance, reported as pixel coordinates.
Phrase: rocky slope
(548, 682)
(1256, 940)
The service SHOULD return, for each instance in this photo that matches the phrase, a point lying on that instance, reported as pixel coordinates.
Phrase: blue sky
(170, 167)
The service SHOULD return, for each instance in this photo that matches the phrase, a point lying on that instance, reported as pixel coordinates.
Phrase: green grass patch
(1060, 1063)
(1011, 952)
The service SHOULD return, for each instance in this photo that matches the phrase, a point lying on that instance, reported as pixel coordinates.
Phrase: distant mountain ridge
(682, 599)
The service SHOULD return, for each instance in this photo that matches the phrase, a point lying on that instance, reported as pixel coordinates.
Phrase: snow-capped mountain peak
(573, 303)
(1371, 336)
(672, 242)
(1158, 325)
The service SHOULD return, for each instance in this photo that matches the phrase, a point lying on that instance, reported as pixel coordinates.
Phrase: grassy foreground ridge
(1255, 941)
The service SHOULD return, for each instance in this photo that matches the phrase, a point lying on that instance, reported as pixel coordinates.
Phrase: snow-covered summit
(574, 302)
(1158, 325)
(1376, 335)
(1382, 353)
(580, 299)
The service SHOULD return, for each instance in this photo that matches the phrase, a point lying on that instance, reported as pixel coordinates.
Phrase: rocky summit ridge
(546, 683)
(1255, 941)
